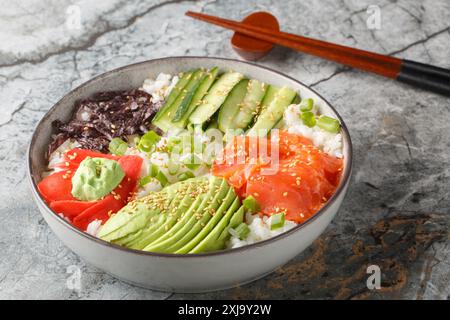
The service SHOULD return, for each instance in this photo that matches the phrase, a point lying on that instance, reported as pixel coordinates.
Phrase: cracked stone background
(396, 212)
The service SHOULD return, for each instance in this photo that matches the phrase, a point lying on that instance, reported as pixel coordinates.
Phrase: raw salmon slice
(303, 179)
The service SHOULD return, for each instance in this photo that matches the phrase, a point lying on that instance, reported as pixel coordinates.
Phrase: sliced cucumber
(183, 107)
(173, 94)
(297, 99)
(251, 104)
(268, 98)
(280, 124)
(231, 106)
(202, 89)
(215, 97)
(164, 122)
(212, 125)
(273, 113)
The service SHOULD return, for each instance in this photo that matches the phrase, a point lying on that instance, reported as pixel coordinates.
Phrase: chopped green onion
(162, 178)
(148, 141)
(306, 105)
(241, 231)
(308, 118)
(145, 180)
(173, 167)
(190, 127)
(251, 204)
(173, 145)
(173, 140)
(186, 142)
(176, 149)
(118, 147)
(197, 143)
(192, 162)
(185, 175)
(277, 221)
(328, 124)
(153, 170)
(196, 128)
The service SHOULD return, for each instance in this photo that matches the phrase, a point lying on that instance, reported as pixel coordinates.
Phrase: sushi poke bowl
(190, 174)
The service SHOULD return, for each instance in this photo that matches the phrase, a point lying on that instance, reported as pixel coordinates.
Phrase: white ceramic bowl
(182, 273)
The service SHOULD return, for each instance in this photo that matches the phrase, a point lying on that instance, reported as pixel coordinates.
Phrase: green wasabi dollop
(95, 178)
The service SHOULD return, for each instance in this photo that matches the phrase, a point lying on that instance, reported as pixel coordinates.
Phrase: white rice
(94, 227)
(328, 142)
(160, 87)
(56, 156)
(259, 230)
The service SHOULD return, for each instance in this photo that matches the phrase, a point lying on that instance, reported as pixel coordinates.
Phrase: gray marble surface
(396, 214)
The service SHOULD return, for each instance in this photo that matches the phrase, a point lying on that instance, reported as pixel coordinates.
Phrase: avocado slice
(187, 217)
(236, 219)
(217, 190)
(188, 221)
(184, 219)
(203, 217)
(211, 241)
(126, 240)
(131, 218)
(154, 223)
(202, 194)
(227, 201)
(137, 214)
(155, 231)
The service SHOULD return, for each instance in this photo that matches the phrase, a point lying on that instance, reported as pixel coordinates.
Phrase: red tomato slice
(100, 211)
(56, 190)
(71, 208)
(131, 165)
(57, 186)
